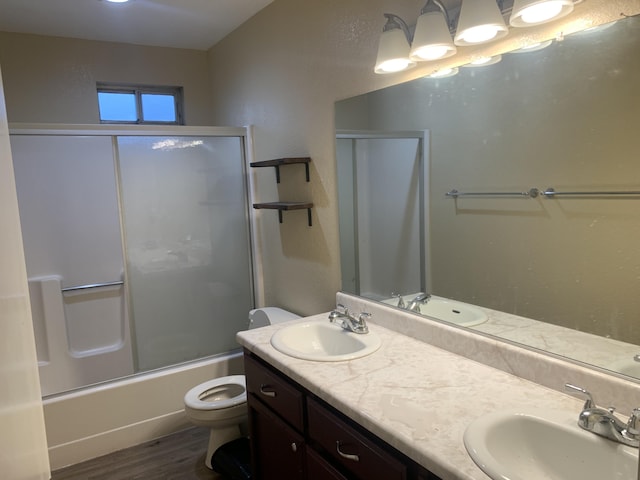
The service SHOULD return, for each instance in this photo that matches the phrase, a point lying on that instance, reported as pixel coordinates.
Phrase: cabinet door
(277, 451)
(319, 469)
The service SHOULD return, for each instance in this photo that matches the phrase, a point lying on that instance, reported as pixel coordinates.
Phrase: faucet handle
(401, 303)
(633, 425)
(589, 403)
(364, 316)
(342, 309)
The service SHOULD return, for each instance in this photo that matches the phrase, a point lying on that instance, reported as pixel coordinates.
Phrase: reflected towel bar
(550, 192)
(92, 285)
(531, 193)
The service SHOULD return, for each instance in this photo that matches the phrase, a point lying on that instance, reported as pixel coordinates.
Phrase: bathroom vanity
(307, 438)
(408, 404)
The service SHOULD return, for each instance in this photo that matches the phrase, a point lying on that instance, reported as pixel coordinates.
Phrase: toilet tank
(261, 317)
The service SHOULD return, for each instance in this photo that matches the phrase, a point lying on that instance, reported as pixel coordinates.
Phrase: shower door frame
(245, 134)
(423, 151)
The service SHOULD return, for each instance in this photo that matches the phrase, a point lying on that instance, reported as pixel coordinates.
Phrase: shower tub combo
(137, 243)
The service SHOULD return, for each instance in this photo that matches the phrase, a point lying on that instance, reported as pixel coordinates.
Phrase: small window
(140, 105)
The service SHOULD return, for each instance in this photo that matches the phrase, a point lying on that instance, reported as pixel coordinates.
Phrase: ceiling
(193, 24)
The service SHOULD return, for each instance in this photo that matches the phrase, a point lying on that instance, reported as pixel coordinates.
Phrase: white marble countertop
(414, 396)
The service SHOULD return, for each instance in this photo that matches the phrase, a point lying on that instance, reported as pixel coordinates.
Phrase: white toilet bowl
(221, 404)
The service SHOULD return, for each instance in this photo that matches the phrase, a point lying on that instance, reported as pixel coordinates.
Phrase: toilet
(221, 404)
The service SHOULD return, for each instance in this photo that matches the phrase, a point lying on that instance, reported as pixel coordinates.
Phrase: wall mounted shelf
(281, 206)
(278, 162)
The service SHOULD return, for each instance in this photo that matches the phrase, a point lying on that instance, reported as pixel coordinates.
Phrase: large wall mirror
(565, 117)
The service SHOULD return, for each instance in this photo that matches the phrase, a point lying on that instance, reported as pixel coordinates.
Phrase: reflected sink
(453, 312)
(447, 310)
(547, 445)
(323, 342)
(625, 366)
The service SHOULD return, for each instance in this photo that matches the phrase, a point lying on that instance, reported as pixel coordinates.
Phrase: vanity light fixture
(526, 13)
(480, 21)
(117, 1)
(393, 49)
(432, 38)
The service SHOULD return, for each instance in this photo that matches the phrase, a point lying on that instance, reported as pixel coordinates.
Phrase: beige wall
(282, 72)
(53, 80)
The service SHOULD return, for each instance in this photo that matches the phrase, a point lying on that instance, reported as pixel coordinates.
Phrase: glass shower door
(184, 208)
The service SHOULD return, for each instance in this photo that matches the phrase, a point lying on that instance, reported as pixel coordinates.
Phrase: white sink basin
(548, 445)
(323, 342)
(447, 310)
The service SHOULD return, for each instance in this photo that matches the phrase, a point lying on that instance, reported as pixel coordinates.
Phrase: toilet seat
(211, 395)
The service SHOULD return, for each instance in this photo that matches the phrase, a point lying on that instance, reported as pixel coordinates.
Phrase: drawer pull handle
(267, 393)
(348, 456)
(294, 447)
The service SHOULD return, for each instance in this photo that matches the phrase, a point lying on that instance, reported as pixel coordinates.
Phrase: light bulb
(431, 52)
(534, 12)
(541, 12)
(479, 34)
(394, 65)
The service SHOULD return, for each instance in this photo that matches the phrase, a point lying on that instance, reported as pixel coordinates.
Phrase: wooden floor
(175, 457)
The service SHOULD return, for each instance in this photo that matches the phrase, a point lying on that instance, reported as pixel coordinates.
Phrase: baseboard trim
(117, 439)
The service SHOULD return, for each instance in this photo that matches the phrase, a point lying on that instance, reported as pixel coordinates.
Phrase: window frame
(137, 91)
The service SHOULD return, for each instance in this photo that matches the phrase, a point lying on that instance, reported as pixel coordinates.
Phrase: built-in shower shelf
(281, 206)
(278, 162)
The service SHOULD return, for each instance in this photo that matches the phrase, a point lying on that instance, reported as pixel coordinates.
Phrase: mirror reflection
(564, 269)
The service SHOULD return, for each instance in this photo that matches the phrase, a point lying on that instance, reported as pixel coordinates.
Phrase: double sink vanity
(418, 399)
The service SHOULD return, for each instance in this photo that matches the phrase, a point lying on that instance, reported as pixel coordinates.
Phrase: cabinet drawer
(274, 391)
(348, 447)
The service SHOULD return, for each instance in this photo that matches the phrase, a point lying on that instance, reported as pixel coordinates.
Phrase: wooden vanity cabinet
(295, 435)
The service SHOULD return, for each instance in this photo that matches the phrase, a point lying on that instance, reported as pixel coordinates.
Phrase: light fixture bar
(478, 22)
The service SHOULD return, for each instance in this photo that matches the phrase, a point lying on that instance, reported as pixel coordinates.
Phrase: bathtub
(101, 419)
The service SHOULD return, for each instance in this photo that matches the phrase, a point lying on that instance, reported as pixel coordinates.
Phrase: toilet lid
(219, 393)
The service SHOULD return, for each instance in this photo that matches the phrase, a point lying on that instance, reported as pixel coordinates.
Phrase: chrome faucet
(346, 320)
(420, 299)
(604, 423)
